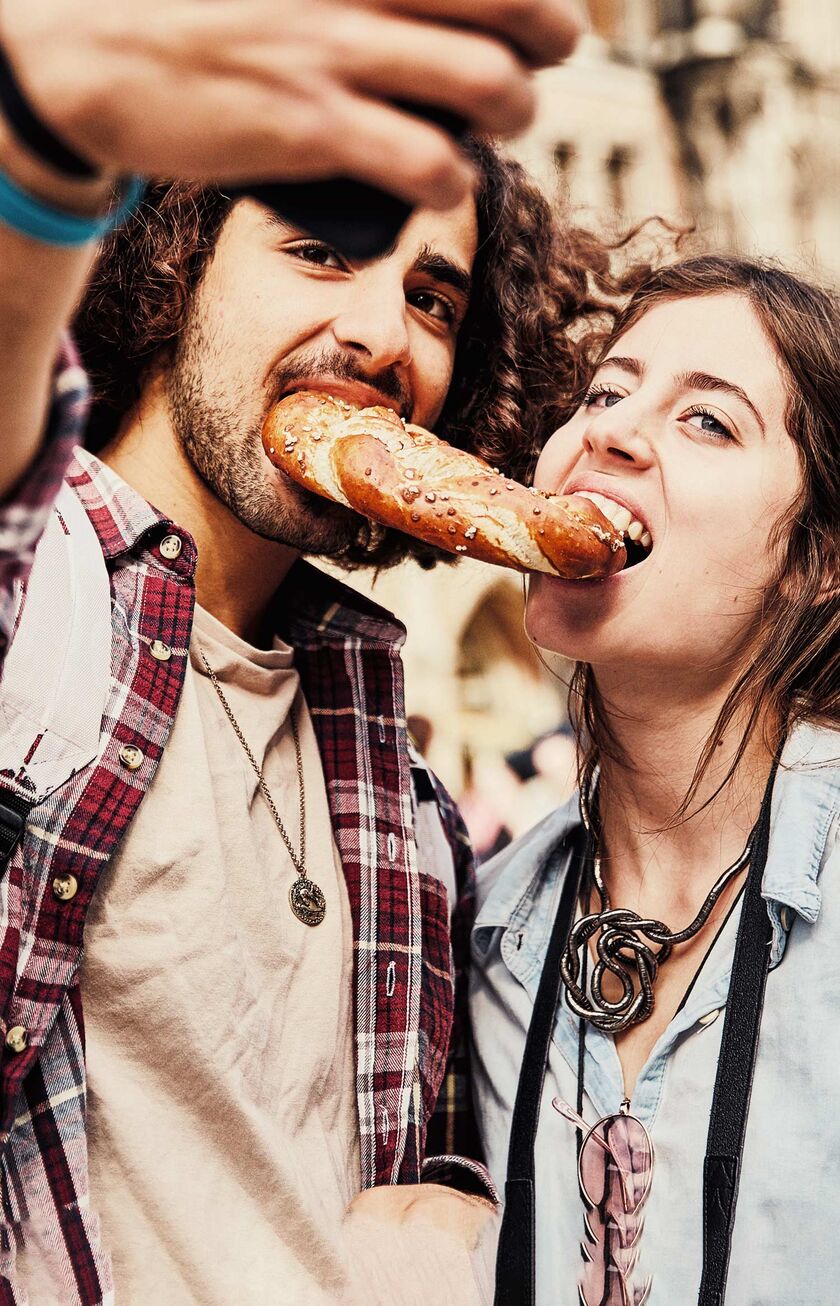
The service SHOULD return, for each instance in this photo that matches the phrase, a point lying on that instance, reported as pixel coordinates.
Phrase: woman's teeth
(619, 517)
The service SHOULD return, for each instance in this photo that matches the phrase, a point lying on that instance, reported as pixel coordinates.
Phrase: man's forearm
(39, 287)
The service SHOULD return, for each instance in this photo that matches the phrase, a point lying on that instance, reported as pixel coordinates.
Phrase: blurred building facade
(725, 113)
(722, 112)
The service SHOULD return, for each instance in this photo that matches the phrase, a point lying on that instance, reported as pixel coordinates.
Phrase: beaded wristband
(53, 226)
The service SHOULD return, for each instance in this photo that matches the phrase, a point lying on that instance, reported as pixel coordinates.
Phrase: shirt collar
(120, 516)
(806, 802)
(510, 880)
(311, 607)
(806, 805)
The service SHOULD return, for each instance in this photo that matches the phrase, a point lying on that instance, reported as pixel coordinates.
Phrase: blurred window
(761, 18)
(619, 166)
(676, 14)
(564, 167)
(504, 696)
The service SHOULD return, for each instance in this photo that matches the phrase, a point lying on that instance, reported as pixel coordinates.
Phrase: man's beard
(225, 448)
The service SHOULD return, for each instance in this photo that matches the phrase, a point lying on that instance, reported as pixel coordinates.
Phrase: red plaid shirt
(381, 799)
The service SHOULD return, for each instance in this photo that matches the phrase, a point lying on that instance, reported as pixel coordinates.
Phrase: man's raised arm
(233, 91)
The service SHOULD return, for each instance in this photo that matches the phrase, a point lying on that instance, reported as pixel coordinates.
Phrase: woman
(708, 433)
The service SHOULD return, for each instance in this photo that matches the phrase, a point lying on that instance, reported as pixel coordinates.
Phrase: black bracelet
(33, 133)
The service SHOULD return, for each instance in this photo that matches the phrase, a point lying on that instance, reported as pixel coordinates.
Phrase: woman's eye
(599, 397)
(433, 305)
(316, 252)
(702, 420)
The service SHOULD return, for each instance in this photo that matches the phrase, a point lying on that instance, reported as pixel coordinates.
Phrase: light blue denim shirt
(786, 1245)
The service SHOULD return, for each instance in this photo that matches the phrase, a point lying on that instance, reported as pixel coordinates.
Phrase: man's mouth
(638, 540)
(358, 393)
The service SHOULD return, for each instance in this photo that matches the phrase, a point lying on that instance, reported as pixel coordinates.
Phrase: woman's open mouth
(638, 540)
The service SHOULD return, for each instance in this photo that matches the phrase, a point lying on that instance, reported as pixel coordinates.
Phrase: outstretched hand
(238, 90)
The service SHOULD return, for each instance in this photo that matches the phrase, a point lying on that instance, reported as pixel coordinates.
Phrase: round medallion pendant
(308, 902)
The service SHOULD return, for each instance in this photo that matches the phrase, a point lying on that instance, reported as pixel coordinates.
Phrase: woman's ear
(829, 591)
(826, 571)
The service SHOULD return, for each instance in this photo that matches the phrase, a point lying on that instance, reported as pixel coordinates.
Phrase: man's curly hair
(519, 367)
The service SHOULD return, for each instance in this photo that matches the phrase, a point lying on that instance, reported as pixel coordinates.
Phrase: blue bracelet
(53, 226)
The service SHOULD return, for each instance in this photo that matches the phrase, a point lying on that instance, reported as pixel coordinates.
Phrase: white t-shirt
(223, 1125)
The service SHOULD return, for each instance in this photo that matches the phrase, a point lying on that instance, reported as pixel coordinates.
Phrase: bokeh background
(720, 113)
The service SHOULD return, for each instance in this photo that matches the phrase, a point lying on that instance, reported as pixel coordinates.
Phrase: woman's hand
(466, 1217)
(418, 1244)
(236, 90)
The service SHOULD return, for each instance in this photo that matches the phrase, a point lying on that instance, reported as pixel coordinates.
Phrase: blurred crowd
(503, 795)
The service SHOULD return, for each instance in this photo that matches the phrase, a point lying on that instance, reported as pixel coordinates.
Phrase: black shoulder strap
(736, 1066)
(515, 1262)
(13, 813)
(515, 1265)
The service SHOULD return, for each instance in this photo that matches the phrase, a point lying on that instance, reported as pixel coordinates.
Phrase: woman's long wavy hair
(791, 670)
(516, 363)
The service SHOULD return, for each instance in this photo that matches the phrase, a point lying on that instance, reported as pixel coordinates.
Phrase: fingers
(352, 137)
(477, 76)
(396, 151)
(466, 1217)
(386, 1202)
(262, 133)
(545, 31)
(261, 89)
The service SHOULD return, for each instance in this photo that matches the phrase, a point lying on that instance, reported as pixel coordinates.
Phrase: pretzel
(402, 476)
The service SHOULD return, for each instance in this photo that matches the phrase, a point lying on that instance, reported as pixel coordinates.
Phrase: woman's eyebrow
(631, 365)
(703, 381)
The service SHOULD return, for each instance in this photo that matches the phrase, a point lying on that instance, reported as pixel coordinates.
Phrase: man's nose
(374, 325)
(618, 437)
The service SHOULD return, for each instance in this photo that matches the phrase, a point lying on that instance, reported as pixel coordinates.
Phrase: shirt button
(65, 887)
(160, 651)
(17, 1038)
(710, 1017)
(131, 757)
(786, 917)
(171, 546)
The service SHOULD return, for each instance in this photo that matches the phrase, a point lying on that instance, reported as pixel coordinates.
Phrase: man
(205, 738)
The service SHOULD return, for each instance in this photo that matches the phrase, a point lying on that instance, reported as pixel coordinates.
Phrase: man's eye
(316, 252)
(433, 305)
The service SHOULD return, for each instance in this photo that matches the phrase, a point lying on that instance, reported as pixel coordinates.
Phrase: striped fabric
(401, 845)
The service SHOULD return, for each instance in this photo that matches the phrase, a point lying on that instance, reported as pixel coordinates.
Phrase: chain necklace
(624, 948)
(305, 897)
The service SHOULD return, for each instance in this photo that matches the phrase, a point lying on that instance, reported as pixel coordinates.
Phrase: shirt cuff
(463, 1175)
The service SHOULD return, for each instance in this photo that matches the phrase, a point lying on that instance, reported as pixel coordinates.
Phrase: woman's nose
(611, 435)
